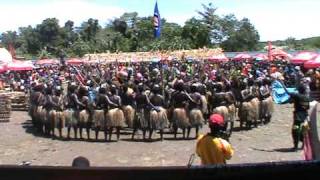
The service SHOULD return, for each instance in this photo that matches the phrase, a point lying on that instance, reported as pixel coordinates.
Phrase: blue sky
(274, 19)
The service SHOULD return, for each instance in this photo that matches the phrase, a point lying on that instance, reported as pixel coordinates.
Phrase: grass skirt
(71, 118)
(266, 107)
(246, 113)
(99, 119)
(56, 119)
(83, 117)
(158, 120)
(42, 114)
(180, 118)
(129, 114)
(115, 118)
(204, 108)
(196, 118)
(255, 108)
(141, 120)
(33, 113)
(232, 112)
(223, 111)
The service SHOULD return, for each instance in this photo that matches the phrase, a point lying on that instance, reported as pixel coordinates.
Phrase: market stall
(261, 57)
(303, 57)
(47, 62)
(5, 56)
(312, 64)
(17, 65)
(75, 61)
(279, 54)
(242, 57)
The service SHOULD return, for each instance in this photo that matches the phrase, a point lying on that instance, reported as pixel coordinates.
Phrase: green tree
(89, 30)
(144, 33)
(30, 40)
(49, 32)
(211, 20)
(196, 33)
(80, 48)
(244, 37)
(10, 37)
(68, 34)
(228, 32)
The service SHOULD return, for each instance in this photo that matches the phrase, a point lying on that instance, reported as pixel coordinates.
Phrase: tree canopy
(131, 33)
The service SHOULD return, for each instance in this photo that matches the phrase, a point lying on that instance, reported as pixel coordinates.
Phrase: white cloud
(177, 18)
(279, 20)
(13, 16)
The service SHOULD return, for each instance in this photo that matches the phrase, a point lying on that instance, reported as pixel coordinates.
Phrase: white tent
(5, 56)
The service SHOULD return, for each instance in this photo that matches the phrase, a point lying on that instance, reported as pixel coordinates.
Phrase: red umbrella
(280, 53)
(75, 61)
(47, 62)
(242, 56)
(303, 57)
(3, 68)
(218, 58)
(261, 57)
(311, 64)
(17, 65)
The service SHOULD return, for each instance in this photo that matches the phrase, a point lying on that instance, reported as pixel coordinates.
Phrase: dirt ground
(19, 142)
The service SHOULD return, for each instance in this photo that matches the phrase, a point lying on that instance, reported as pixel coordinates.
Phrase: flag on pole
(79, 77)
(157, 22)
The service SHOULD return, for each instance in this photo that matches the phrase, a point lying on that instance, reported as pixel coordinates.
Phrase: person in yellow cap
(210, 147)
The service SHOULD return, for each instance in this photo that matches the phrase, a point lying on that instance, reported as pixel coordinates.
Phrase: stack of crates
(5, 107)
(19, 101)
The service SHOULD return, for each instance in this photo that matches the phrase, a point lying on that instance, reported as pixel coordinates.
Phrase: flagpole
(269, 51)
(157, 34)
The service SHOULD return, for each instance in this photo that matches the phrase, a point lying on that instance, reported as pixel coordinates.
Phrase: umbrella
(94, 61)
(311, 64)
(261, 57)
(280, 53)
(303, 57)
(5, 56)
(242, 56)
(155, 60)
(17, 65)
(74, 61)
(3, 68)
(47, 62)
(218, 58)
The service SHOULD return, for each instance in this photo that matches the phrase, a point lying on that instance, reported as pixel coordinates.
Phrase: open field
(19, 142)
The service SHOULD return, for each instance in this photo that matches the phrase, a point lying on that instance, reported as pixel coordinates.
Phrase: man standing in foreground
(211, 148)
(301, 102)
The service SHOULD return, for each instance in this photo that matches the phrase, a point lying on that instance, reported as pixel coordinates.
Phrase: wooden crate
(5, 107)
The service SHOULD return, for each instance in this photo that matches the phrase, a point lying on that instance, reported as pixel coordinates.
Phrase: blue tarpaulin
(280, 96)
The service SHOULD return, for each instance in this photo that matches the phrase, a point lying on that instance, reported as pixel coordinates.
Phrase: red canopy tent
(17, 65)
(311, 64)
(75, 61)
(303, 57)
(3, 68)
(275, 53)
(261, 57)
(242, 56)
(218, 58)
(47, 62)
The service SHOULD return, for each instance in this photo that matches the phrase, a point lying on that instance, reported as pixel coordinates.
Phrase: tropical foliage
(132, 33)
